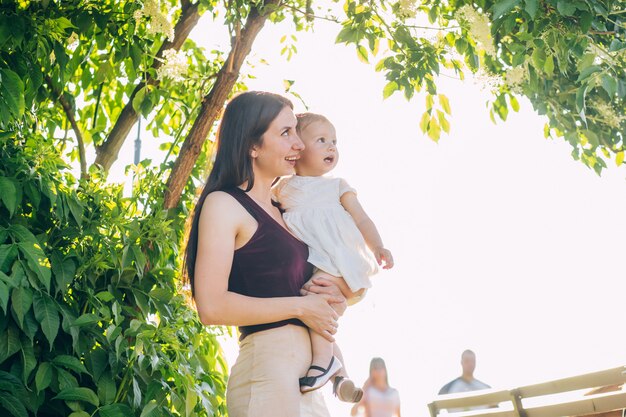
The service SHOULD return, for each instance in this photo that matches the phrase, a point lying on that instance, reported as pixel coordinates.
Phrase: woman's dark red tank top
(273, 263)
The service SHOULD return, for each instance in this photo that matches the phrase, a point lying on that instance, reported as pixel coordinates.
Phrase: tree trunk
(107, 153)
(212, 105)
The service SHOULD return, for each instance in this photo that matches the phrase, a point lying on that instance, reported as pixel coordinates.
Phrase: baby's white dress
(315, 215)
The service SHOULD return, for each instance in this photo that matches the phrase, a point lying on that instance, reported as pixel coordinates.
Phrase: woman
(246, 269)
(379, 399)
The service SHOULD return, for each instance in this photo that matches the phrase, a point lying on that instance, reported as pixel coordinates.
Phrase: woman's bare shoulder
(223, 206)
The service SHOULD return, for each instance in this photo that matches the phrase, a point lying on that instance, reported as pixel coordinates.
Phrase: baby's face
(320, 154)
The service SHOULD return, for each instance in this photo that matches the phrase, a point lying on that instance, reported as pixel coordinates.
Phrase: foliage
(567, 57)
(93, 322)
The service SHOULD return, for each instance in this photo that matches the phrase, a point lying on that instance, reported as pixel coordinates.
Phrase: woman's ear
(254, 153)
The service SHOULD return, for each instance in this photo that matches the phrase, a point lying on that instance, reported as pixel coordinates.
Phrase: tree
(93, 320)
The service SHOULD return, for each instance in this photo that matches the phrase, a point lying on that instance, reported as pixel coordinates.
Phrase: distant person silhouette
(380, 399)
(466, 382)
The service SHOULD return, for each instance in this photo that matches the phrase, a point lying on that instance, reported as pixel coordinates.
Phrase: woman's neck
(380, 385)
(261, 191)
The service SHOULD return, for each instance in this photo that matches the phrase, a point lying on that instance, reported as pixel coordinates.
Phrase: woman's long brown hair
(246, 118)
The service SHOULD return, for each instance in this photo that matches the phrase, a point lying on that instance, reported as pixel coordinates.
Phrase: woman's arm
(221, 224)
(367, 228)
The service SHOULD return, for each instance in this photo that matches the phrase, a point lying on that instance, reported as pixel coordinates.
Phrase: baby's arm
(351, 203)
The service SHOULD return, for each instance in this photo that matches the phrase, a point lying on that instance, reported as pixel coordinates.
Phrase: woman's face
(378, 374)
(280, 147)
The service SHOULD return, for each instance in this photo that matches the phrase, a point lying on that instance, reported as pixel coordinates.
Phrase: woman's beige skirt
(264, 380)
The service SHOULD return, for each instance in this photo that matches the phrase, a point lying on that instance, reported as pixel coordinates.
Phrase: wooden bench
(558, 398)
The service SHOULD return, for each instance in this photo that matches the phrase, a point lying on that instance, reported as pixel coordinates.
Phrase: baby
(344, 245)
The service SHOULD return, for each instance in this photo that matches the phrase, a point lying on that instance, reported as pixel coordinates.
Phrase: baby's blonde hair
(305, 119)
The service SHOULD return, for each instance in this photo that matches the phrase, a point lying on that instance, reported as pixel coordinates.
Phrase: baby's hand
(383, 254)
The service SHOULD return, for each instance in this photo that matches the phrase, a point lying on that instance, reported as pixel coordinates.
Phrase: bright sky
(503, 243)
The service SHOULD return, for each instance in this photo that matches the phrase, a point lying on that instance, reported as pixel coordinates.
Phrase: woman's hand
(319, 316)
(326, 287)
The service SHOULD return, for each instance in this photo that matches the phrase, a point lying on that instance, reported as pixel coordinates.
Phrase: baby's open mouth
(329, 159)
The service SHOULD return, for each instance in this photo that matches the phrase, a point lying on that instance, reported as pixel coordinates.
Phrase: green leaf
(586, 72)
(8, 194)
(389, 89)
(86, 319)
(502, 7)
(47, 314)
(21, 301)
(105, 296)
(139, 98)
(425, 120)
(609, 84)
(616, 45)
(9, 343)
(22, 234)
(76, 208)
(140, 258)
(12, 405)
(9, 382)
(434, 130)
(539, 58)
(429, 102)
(346, 35)
(8, 253)
(136, 394)
(548, 67)
(63, 270)
(115, 410)
(29, 362)
(66, 379)
(445, 104)
(531, 7)
(433, 12)
(460, 45)
(12, 92)
(31, 327)
(566, 7)
(81, 413)
(514, 103)
(586, 19)
(150, 410)
(37, 261)
(581, 93)
(78, 394)
(70, 362)
(4, 296)
(443, 122)
(106, 388)
(97, 361)
(362, 54)
(43, 377)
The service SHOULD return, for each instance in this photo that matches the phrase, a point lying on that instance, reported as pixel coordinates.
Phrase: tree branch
(107, 153)
(212, 105)
(69, 113)
(310, 16)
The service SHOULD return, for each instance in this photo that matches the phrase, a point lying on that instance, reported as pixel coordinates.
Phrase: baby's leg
(323, 364)
(322, 349)
(340, 283)
(337, 352)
